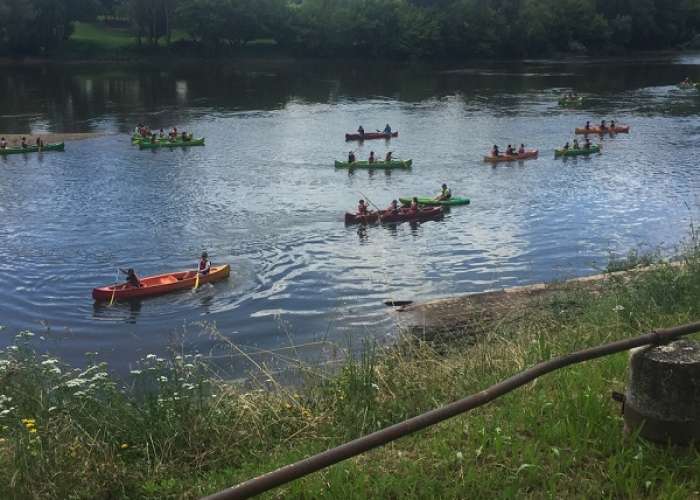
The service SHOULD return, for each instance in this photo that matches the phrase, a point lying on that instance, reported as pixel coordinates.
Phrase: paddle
(114, 290)
(370, 201)
(196, 281)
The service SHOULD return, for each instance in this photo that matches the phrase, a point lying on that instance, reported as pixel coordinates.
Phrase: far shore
(14, 139)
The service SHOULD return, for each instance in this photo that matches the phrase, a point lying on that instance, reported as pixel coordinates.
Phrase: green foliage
(171, 430)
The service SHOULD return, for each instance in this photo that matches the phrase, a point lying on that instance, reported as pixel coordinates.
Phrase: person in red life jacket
(204, 264)
(362, 208)
(131, 278)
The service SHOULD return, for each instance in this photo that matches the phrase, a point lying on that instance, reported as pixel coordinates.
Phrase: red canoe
(607, 130)
(528, 154)
(370, 135)
(160, 284)
(428, 213)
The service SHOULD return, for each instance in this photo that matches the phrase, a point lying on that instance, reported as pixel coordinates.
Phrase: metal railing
(322, 460)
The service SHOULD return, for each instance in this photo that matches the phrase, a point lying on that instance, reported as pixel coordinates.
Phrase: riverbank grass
(173, 430)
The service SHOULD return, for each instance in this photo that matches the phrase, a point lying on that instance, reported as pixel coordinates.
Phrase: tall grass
(172, 430)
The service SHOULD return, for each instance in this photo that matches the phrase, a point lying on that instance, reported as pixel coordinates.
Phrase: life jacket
(362, 209)
(204, 265)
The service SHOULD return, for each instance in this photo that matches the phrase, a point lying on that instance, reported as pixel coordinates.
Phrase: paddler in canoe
(361, 132)
(204, 264)
(576, 145)
(131, 278)
(3, 143)
(161, 134)
(24, 143)
(603, 127)
(521, 149)
(566, 146)
(587, 144)
(371, 158)
(510, 151)
(387, 157)
(494, 151)
(588, 125)
(393, 207)
(387, 130)
(39, 143)
(445, 194)
(413, 207)
(351, 157)
(362, 208)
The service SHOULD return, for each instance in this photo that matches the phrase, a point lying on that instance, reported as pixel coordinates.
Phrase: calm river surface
(263, 194)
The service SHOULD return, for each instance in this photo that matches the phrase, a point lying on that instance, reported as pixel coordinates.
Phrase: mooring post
(662, 401)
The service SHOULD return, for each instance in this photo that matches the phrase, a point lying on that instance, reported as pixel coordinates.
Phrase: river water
(263, 194)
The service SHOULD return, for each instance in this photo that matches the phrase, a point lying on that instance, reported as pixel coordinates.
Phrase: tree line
(375, 28)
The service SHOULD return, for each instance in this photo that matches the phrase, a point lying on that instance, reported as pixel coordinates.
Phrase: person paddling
(566, 146)
(362, 208)
(413, 208)
(445, 194)
(576, 146)
(204, 264)
(361, 131)
(131, 278)
(24, 143)
(509, 150)
(161, 134)
(393, 207)
(494, 151)
(372, 159)
(387, 129)
(351, 157)
(521, 149)
(612, 125)
(587, 144)
(3, 143)
(603, 126)
(388, 157)
(588, 125)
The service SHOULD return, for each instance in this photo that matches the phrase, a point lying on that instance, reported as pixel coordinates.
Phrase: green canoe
(577, 152)
(171, 144)
(32, 149)
(424, 200)
(376, 164)
(578, 101)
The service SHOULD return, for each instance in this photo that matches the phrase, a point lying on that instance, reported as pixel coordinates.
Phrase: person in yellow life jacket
(204, 264)
(445, 194)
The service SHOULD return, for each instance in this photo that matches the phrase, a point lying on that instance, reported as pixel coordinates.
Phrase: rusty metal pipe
(324, 459)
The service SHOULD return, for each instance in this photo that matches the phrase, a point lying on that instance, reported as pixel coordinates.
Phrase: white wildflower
(135, 372)
(150, 356)
(49, 362)
(75, 382)
(163, 378)
(619, 308)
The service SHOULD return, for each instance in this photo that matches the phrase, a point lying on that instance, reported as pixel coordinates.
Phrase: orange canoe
(160, 284)
(528, 154)
(597, 130)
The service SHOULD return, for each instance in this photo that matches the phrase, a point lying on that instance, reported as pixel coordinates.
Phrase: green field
(173, 430)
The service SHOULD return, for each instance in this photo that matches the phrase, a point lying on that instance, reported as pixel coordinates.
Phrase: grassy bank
(173, 430)
(98, 41)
